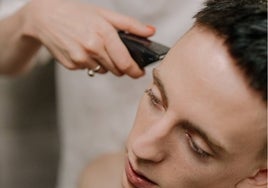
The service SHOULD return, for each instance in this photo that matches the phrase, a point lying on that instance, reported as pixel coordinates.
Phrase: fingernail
(151, 27)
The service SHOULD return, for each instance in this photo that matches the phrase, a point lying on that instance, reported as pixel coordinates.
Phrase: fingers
(126, 23)
(120, 55)
(107, 50)
(96, 49)
(88, 38)
(86, 52)
(74, 56)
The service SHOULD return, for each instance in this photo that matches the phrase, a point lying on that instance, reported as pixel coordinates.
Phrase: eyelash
(196, 149)
(153, 99)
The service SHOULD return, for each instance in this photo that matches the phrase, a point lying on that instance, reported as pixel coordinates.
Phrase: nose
(154, 143)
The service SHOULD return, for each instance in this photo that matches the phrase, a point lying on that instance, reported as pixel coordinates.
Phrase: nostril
(148, 152)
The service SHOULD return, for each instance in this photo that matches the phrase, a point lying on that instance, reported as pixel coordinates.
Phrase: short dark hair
(243, 25)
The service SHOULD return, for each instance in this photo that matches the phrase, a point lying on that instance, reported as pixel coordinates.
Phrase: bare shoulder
(103, 172)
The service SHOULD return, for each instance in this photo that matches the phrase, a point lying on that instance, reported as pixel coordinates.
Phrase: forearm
(16, 48)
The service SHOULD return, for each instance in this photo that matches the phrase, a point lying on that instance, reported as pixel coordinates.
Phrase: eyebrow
(187, 125)
(160, 86)
(216, 147)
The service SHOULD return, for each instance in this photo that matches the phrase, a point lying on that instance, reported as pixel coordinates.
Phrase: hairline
(262, 153)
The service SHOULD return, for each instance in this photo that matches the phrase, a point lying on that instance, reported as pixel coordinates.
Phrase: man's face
(198, 124)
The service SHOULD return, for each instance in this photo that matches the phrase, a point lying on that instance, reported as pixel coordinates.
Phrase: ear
(258, 180)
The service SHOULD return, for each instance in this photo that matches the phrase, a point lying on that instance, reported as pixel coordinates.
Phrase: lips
(137, 179)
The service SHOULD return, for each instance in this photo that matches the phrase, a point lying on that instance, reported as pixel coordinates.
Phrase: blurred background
(29, 142)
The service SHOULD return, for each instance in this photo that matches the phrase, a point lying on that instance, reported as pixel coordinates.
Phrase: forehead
(204, 85)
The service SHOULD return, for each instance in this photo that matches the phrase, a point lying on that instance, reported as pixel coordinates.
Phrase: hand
(80, 35)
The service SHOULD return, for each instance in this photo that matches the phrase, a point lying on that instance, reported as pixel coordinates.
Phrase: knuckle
(129, 20)
(129, 23)
(90, 44)
(116, 73)
(70, 66)
(93, 45)
(79, 58)
(125, 67)
(67, 64)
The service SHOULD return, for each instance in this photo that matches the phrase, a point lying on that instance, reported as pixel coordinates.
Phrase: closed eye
(154, 100)
(195, 148)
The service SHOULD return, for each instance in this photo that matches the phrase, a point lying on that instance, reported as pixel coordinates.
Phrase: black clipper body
(143, 50)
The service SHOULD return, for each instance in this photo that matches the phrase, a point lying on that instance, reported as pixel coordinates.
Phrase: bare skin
(105, 171)
(79, 35)
(192, 96)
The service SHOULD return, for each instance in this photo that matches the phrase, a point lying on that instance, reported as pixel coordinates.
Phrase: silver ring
(91, 72)
(96, 69)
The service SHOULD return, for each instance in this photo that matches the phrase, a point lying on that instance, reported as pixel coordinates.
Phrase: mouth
(137, 179)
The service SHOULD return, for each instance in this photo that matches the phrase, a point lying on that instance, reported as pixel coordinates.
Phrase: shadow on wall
(29, 144)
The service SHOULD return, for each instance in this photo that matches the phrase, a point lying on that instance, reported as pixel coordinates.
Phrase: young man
(202, 122)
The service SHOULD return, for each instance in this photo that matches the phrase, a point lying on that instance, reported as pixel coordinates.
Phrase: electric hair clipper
(143, 50)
